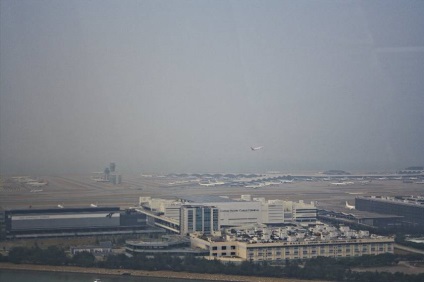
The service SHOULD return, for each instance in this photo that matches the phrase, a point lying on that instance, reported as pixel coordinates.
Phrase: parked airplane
(269, 183)
(36, 183)
(36, 190)
(254, 186)
(342, 183)
(60, 206)
(256, 148)
(349, 206)
(211, 184)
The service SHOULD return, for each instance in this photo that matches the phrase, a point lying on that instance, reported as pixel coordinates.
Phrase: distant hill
(335, 172)
(415, 168)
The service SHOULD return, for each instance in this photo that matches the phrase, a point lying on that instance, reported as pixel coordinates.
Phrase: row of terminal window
(224, 254)
(314, 251)
(223, 248)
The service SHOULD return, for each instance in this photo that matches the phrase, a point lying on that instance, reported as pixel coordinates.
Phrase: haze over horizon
(189, 86)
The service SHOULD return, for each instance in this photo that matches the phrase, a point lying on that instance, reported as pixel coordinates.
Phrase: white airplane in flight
(256, 148)
(349, 206)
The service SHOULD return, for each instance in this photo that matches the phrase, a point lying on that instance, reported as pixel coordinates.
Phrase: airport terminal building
(411, 209)
(218, 227)
(209, 214)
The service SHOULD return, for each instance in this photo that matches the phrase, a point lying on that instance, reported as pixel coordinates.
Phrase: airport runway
(81, 190)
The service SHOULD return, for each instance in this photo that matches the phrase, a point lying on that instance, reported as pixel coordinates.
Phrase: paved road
(81, 190)
(409, 249)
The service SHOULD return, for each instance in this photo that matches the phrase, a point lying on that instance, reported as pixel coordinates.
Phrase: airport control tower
(109, 174)
(114, 177)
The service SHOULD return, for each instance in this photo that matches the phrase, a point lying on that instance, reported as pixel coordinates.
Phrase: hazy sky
(189, 86)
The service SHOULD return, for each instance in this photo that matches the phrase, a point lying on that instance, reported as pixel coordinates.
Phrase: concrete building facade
(199, 219)
(264, 244)
(294, 250)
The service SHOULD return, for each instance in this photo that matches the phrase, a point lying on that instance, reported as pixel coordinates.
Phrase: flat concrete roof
(361, 214)
(207, 199)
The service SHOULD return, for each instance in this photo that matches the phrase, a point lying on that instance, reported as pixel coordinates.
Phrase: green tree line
(334, 269)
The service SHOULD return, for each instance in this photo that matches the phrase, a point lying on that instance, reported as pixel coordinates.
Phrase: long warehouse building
(412, 210)
(27, 223)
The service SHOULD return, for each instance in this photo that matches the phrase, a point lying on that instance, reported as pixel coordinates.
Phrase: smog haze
(190, 86)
